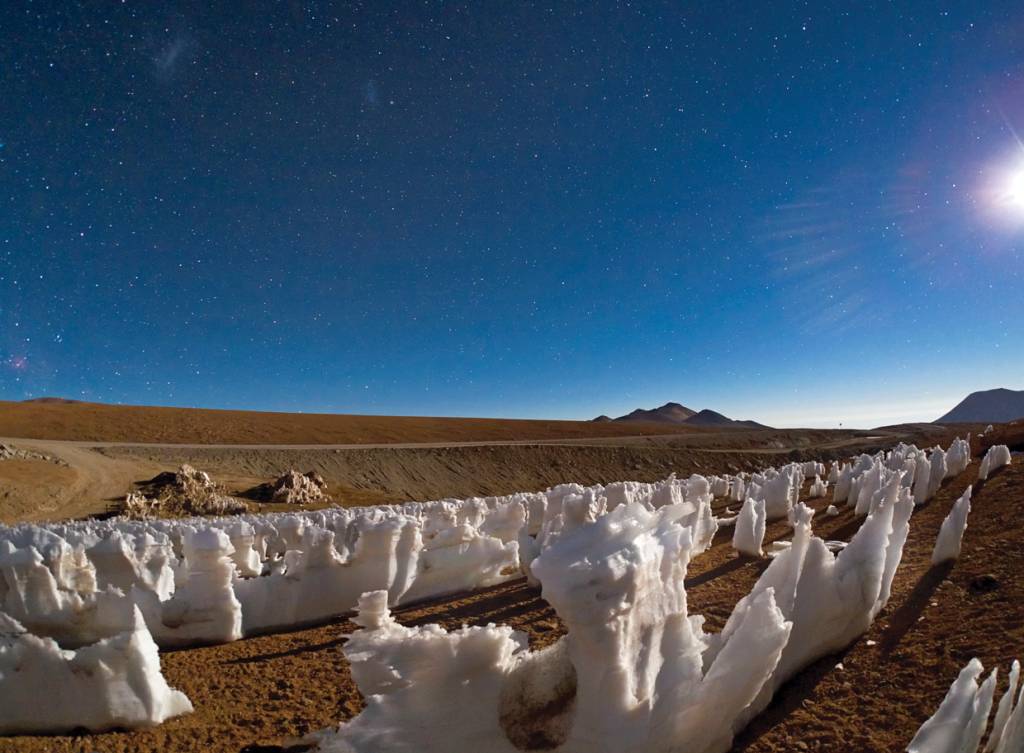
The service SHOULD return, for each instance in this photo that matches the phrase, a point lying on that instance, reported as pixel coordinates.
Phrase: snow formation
(951, 534)
(115, 682)
(997, 456)
(212, 580)
(215, 579)
(748, 534)
(636, 672)
(961, 719)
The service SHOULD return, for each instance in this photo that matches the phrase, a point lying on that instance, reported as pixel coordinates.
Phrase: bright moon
(1013, 190)
(1003, 190)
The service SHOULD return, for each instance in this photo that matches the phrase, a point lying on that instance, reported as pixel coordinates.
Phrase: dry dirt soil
(89, 480)
(97, 422)
(103, 452)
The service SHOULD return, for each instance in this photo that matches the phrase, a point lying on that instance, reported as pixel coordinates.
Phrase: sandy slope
(107, 449)
(95, 476)
(85, 483)
(135, 424)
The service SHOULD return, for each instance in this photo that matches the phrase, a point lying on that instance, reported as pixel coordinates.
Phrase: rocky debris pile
(138, 506)
(296, 488)
(187, 491)
(9, 452)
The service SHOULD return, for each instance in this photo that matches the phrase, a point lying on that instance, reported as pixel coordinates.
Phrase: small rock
(981, 584)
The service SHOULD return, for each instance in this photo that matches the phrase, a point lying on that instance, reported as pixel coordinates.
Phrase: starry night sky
(782, 211)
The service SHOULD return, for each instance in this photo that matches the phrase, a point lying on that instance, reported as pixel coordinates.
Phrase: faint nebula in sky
(370, 93)
(180, 50)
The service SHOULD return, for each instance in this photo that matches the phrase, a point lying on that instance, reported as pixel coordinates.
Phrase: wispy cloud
(864, 414)
(181, 50)
(817, 245)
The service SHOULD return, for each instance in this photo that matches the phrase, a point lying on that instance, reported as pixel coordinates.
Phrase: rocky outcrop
(9, 452)
(187, 491)
(296, 488)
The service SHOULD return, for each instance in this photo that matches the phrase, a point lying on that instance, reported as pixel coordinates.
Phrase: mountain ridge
(998, 405)
(677, 413)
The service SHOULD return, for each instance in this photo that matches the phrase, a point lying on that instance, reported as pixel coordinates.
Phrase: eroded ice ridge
(748, 533)
(212, 580)
(209, 580)
(951, 533)
(636, 672)
(115, 682)
(997, 456)
(923, 471)
(857, 485)
(962, 718)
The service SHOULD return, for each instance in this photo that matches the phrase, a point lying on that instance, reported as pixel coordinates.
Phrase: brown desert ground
(88, 456)
(98, 422)
(261, 693)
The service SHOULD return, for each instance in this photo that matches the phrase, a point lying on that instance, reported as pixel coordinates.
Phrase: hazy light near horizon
(860, 415)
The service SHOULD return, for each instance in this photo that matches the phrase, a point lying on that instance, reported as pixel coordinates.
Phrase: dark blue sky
(800, 213)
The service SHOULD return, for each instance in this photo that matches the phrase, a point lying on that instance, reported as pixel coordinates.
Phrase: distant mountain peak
(709, 417)
(677, 413)
(674, 413)
(998, 405)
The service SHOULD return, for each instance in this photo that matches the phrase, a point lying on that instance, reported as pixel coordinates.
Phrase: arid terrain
(88, 456)
(93, 422)
(260, 693)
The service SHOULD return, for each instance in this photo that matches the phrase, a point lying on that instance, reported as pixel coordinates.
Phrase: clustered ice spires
(99, 586)
(211, 580)
(115, 682)
(856, 485)
(962, 718)
(947, 544)
(923, 472)
(636, 672)
(996, 457)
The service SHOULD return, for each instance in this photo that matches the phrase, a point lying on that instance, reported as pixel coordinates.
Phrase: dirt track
(94, 477)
